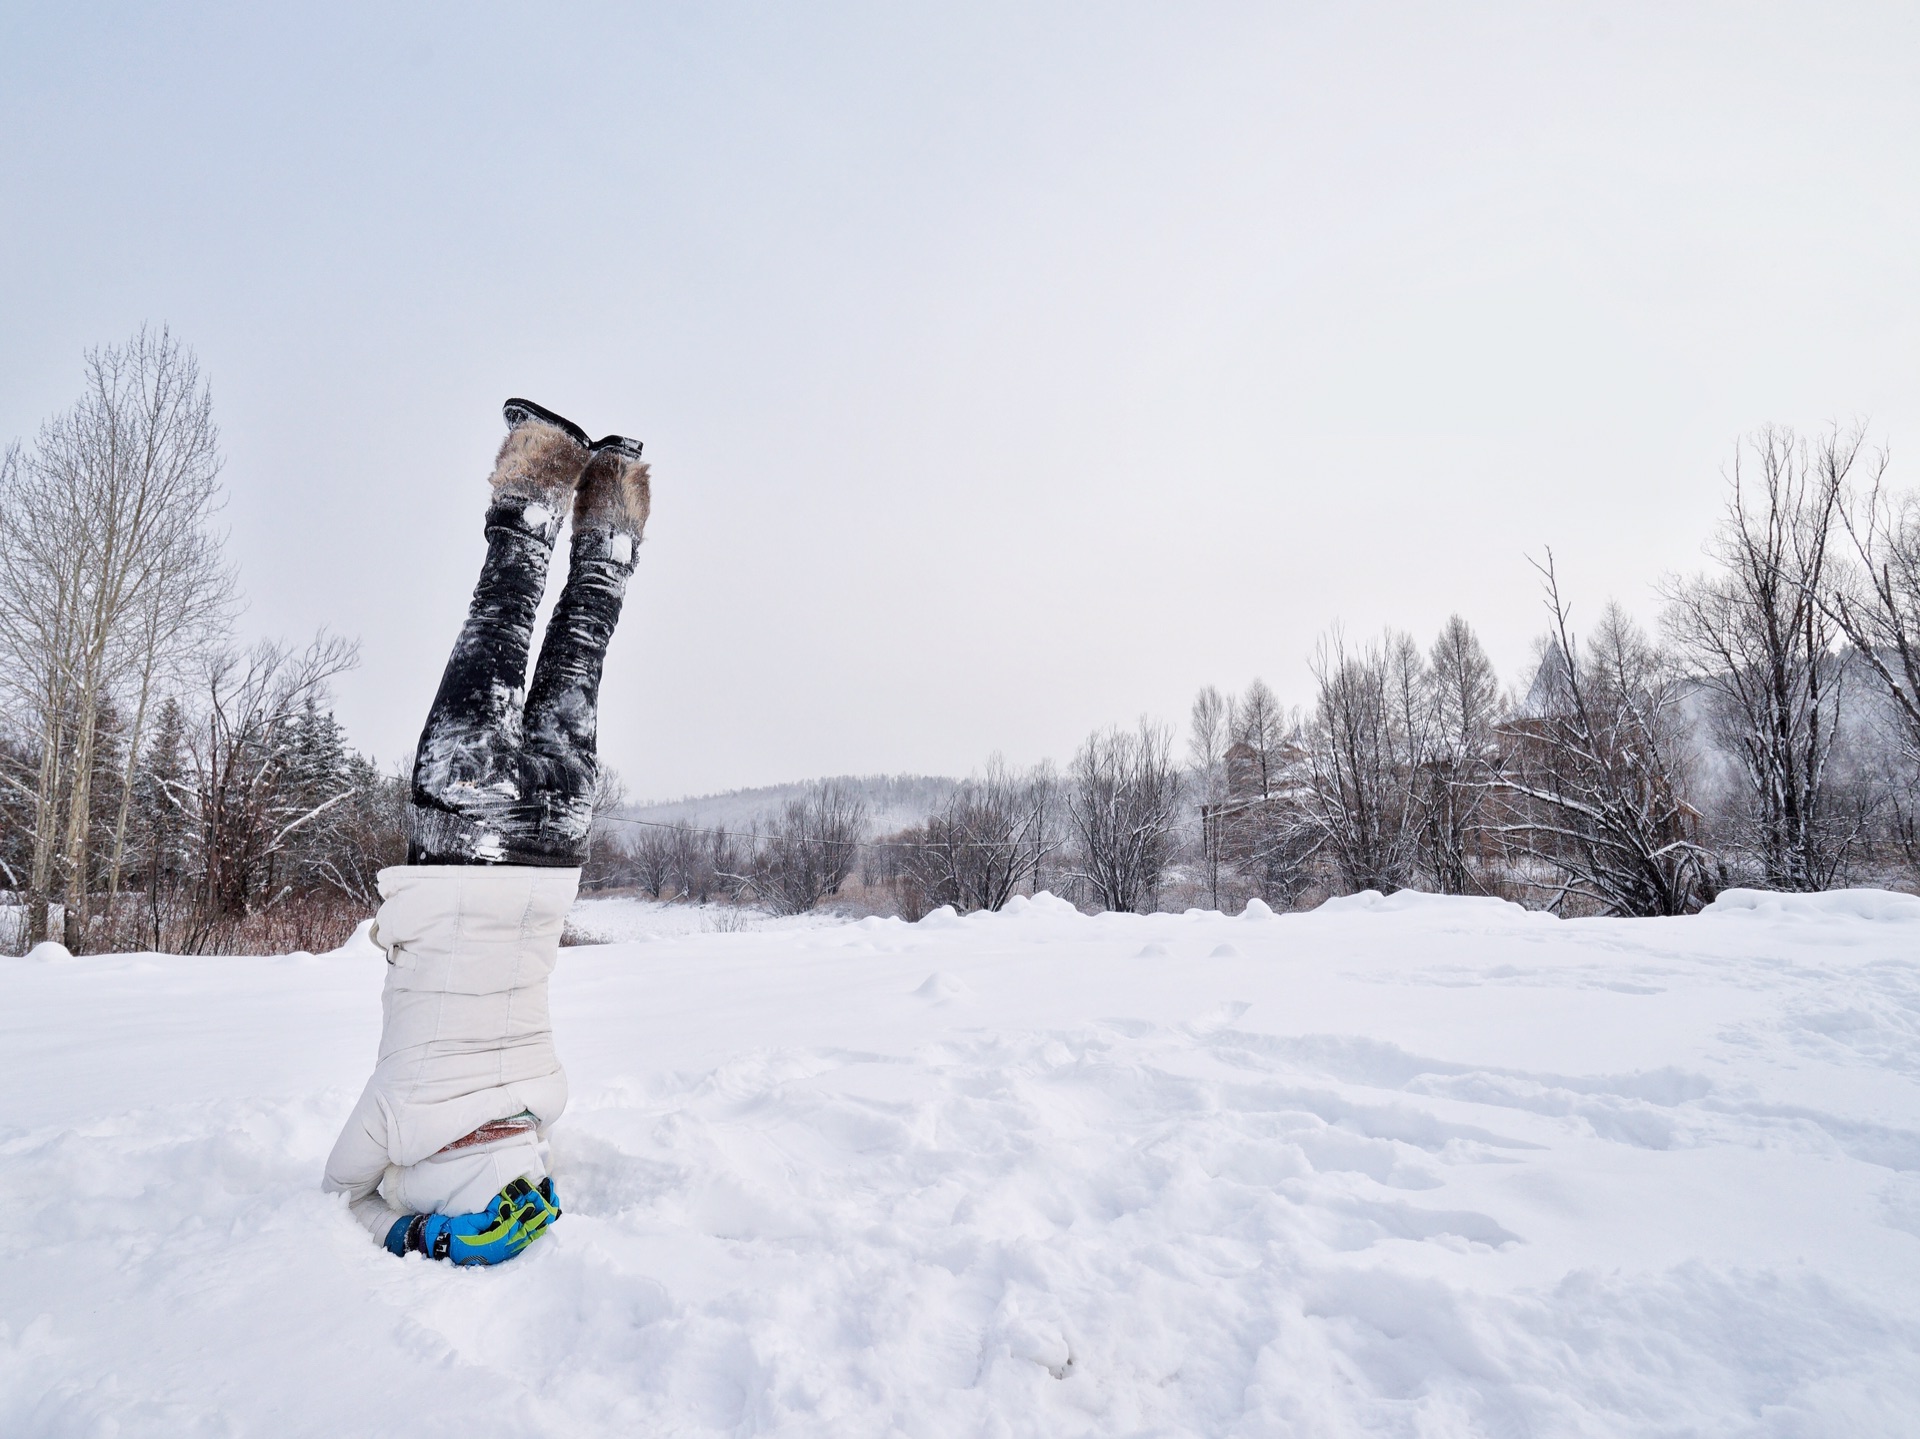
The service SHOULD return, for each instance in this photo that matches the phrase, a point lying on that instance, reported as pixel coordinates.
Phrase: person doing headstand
(445, 1154)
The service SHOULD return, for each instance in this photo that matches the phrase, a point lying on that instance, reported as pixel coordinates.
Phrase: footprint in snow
(1041, 1344)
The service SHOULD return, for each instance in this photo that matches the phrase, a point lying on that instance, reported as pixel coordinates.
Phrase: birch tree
(110, 573)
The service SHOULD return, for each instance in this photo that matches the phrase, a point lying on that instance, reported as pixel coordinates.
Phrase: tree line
(1766, 734)
(162, 786)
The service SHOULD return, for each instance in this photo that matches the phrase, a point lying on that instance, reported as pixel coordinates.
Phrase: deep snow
(1405, 1166)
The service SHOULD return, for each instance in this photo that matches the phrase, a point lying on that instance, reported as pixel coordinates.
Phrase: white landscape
(1405, 1166)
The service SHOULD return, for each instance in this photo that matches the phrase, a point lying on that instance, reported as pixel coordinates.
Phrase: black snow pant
(505, 772)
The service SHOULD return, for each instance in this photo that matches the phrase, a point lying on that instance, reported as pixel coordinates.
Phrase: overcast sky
(1006, 370)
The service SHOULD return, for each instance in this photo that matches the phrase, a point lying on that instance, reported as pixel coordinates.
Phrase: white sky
(1007, 370)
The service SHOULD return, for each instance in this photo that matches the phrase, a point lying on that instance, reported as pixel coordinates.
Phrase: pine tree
(157, 853)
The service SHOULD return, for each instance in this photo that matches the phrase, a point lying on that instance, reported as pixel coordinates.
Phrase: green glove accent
(516, 1216)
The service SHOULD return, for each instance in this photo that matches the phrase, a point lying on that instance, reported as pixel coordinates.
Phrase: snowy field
(609, 921)
(1407, 1166)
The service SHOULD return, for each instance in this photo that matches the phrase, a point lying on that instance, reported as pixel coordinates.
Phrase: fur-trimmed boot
(615, 490)
(466, 771)
(562, 715)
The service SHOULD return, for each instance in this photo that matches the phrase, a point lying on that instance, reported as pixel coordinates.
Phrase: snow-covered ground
(1406, 1166)
(622, 920)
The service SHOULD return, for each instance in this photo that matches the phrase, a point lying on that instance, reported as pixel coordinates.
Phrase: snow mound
(1417, 901)
(1045, 902)
(1879, 905)
(1367, 901)
(360, 944)
(47, 951)
(943, 987)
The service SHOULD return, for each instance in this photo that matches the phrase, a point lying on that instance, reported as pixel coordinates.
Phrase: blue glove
(516, 1216)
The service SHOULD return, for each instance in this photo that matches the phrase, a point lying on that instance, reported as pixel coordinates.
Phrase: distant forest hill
(894, 802)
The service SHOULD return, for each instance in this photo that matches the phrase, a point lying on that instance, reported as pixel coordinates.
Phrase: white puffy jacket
(467, 1042)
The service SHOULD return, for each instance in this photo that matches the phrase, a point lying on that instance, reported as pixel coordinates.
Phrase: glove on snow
(518, 1215)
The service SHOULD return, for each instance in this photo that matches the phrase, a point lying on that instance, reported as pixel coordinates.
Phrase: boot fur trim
(539, 461)
(614, 493)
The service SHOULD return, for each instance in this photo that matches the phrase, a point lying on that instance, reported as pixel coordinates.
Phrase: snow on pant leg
(559, 764)
(466, 769)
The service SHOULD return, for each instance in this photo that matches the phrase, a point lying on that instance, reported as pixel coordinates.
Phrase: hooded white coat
(467, 1040)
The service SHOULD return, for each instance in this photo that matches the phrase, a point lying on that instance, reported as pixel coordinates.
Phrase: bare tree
(109, 575)
(811, 849)
(692, 870)
(652, 857)
(1048, 834)
(1461, 755)
(987, 840)
(609, 845)
(1259, 830)
(247, 812)
(1367, 745)
(726, 868)
(1876, 599)
(39, 623)
(1123, 796)
(1761, 647)
(357, 823)
(1259, 725)
(1597, 771)
(1209, 736)
(362, 835)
